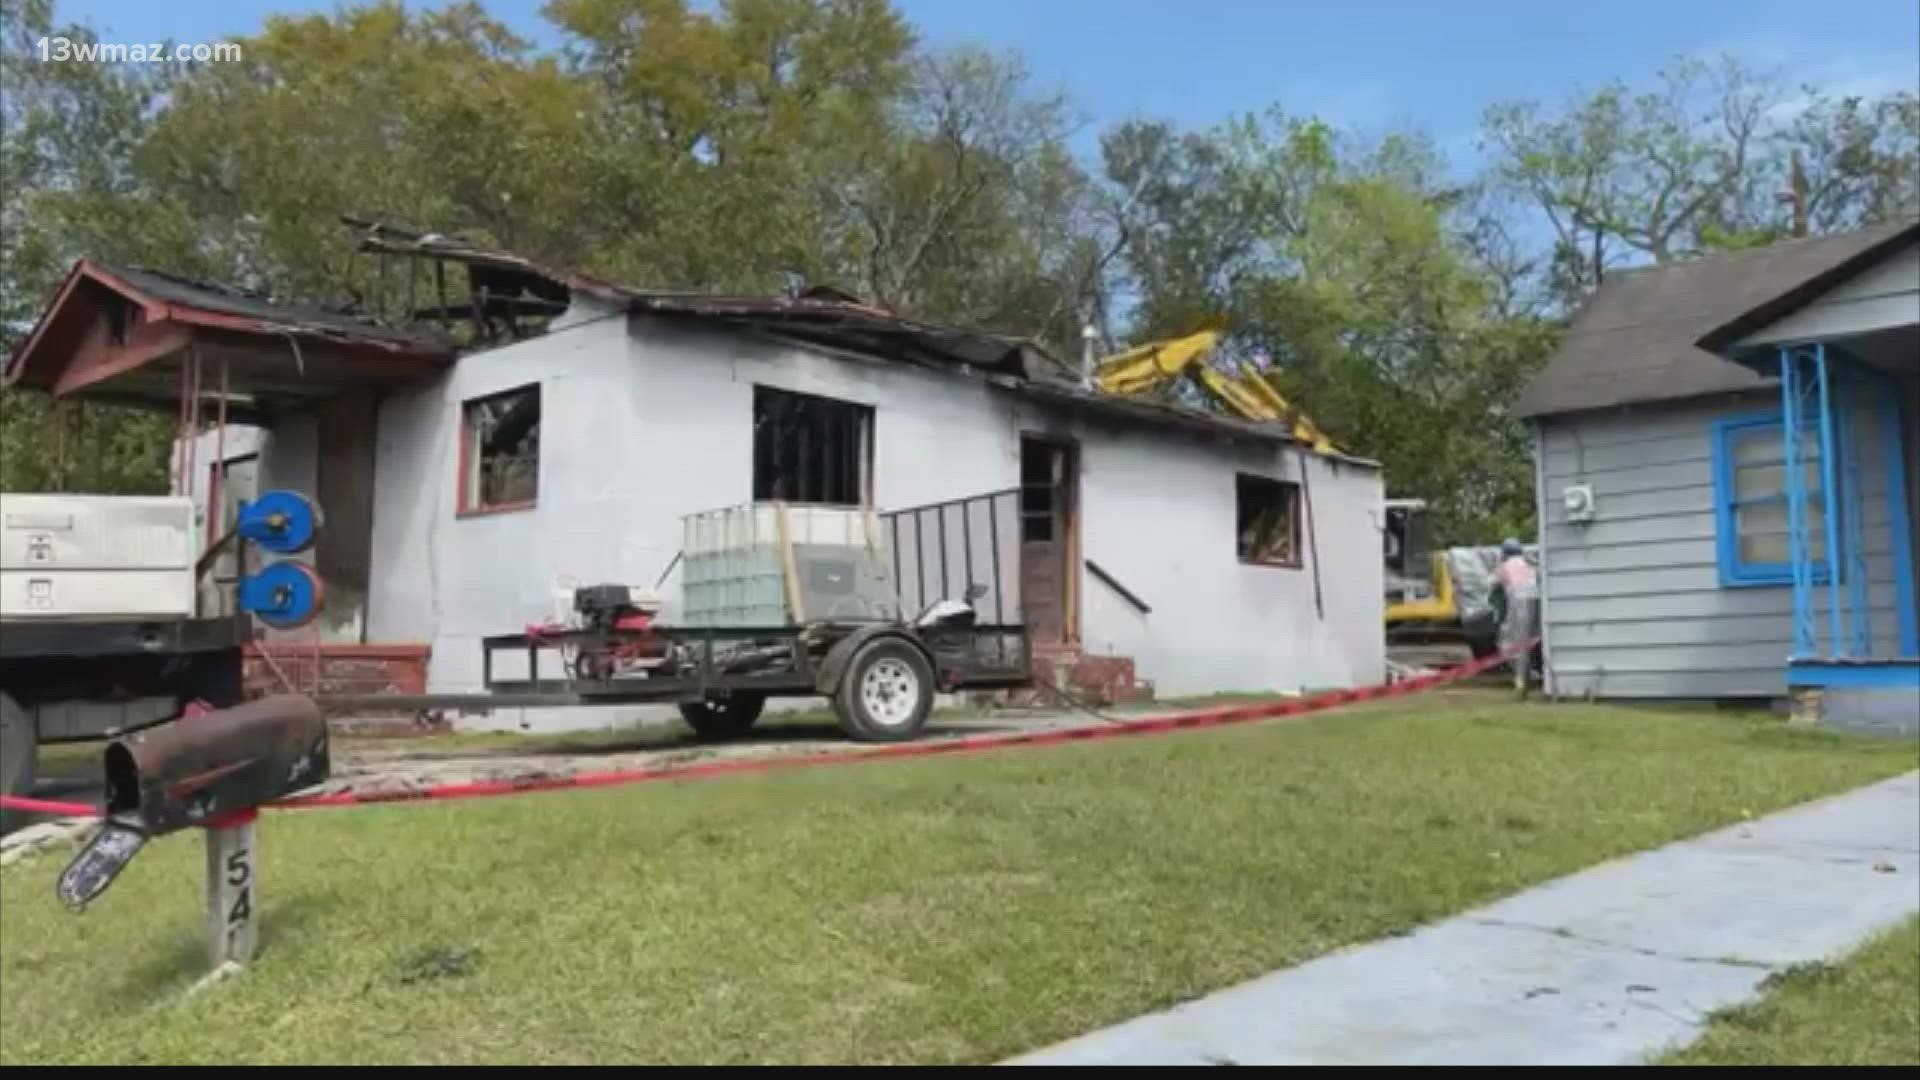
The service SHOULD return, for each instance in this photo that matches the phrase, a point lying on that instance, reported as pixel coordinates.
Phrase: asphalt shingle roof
(1635, 339)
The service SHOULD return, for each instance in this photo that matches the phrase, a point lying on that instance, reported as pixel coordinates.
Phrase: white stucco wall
(1159, 515)
(644, 422)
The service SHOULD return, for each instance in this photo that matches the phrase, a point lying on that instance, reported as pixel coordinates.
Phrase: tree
(67, 134)
(1354, 267)
(970, 211)
(1859, 159)
(1715, 155)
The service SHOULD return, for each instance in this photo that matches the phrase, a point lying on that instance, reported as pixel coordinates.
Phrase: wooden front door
(1047, 539)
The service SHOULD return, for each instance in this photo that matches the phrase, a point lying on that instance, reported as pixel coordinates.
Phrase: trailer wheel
(886, 693)
(17, 751)
(725, 719)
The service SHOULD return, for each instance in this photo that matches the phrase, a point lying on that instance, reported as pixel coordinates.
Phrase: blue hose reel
(284, 594)
(283, 522)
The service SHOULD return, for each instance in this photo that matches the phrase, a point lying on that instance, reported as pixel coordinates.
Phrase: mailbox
(197, 770)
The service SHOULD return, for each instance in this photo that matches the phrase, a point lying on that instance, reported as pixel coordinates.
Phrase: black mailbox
(195, 771)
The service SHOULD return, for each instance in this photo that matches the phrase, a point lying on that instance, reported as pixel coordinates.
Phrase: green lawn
(1864, 1010)
(934, 910)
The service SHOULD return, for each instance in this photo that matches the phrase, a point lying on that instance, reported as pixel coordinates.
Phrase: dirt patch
(392, 765)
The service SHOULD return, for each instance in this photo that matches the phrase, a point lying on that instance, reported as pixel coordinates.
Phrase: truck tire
(729, 718)
(18, 742)
(886, 693)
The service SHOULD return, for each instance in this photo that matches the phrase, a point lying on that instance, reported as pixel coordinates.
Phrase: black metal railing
(942, 548)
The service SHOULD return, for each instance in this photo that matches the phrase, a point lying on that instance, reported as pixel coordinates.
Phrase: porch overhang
(1866, 306)
(138, 338)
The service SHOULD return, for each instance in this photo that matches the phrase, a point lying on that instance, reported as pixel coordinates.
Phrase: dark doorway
(1049, 539)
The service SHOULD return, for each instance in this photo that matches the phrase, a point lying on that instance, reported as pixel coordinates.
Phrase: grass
(933, 910)
(1864, 1010)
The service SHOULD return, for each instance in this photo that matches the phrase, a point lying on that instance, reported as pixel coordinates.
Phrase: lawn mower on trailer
(881, 677)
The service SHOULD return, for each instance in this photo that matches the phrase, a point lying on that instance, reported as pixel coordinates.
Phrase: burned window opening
(1268, 521)
(501, 450)
(810, 449)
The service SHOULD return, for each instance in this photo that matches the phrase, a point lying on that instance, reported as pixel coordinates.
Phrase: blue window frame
(1750, 501)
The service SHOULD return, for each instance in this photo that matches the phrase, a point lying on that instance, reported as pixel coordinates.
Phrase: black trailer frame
(82, 660)
(805, 660)
(964, 658)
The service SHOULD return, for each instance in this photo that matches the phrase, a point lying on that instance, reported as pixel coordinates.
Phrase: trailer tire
(729, 718)
(18, 749)
(887, 692)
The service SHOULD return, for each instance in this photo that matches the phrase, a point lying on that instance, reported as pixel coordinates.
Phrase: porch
(1847, 439)
(1837, 464)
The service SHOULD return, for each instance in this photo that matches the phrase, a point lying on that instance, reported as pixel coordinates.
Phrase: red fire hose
(1147, 725)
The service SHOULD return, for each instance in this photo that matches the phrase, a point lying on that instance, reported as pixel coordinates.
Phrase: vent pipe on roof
(1088, 335)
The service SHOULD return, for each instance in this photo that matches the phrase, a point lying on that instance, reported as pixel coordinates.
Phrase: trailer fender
(826, 678)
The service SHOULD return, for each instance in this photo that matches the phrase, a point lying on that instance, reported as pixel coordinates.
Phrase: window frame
(467, 481)
(1290, 490)
(1734, 571)
(859, 446)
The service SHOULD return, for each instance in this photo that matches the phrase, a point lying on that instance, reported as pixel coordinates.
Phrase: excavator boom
(1248, 395)
(1142, 368)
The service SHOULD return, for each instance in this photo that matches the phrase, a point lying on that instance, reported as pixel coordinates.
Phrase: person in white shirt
(1517, 599)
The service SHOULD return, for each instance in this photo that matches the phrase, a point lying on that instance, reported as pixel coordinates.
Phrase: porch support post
(1828, 485)
(1849, 427)
(1902, 527)
(1798, 559)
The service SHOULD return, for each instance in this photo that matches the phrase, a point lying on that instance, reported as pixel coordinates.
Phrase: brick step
(335, 669)
(1093, 679)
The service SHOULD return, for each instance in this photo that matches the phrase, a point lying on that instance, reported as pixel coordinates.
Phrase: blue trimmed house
(1726, 462)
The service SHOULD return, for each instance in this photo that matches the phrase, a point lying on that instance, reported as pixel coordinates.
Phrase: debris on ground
(26, 842)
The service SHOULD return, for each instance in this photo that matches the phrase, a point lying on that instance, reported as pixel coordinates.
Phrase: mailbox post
(233, 926)
(211, 771)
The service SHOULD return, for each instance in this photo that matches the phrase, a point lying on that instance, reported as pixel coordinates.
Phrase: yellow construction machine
(1423, 604)
(1428, 602)
(1247, 394)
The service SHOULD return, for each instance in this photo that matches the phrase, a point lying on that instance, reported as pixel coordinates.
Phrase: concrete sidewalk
(1606, 966)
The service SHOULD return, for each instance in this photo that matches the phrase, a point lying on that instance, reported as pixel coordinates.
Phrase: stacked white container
(744, 566)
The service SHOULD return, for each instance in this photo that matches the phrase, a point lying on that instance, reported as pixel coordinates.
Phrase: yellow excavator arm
(1144, 368)
(1249, 395)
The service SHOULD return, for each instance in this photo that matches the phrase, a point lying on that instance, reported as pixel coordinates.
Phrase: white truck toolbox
(96, 557)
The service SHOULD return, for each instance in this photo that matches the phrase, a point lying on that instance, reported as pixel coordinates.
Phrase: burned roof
(283, 316)
(831, 318)
(1638, 338)
(132, 336)
(820, 315)
(233, 324)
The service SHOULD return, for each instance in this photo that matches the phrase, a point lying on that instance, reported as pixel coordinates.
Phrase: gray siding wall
(1633, 602)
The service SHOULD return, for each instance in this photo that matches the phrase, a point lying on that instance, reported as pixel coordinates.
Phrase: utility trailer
(915, 607)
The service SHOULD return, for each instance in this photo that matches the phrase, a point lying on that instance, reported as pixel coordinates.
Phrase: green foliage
(755, 145)
(1704, 160)
(1344, 263)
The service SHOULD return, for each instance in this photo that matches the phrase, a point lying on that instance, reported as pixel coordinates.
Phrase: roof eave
(1722, 338)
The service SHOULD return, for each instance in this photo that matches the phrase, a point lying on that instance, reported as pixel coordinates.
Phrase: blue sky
(1371, 66)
